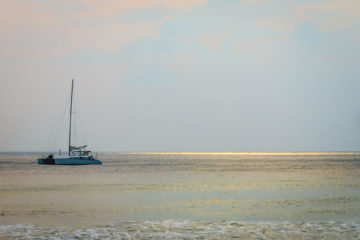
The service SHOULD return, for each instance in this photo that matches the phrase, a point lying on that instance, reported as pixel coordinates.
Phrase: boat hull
(69, 161)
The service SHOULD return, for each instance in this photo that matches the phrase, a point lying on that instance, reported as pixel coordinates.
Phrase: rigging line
(74, 132)
(75, 129)
(71, 105)
(80, 122)
(82, 129)
(53, 139)
(58, 130)
(78, 130)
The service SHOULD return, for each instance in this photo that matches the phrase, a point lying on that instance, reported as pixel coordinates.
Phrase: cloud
(338, 14)
(47, 29)
(331, 15)
(212, 41)
(110, 7)
(252, 1)
(265, 47)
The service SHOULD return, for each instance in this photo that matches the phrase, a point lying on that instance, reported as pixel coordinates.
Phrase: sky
(181, 75)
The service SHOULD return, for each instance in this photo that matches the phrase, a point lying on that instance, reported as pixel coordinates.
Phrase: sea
(182, 196)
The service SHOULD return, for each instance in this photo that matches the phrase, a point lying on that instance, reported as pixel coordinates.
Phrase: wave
(185, 229)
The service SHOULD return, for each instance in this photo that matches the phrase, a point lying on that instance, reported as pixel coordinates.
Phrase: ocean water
(183, 196)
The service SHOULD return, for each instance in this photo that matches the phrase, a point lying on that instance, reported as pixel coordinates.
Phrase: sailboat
(77, 155)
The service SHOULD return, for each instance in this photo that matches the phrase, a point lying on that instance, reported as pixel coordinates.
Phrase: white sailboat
(77, 155)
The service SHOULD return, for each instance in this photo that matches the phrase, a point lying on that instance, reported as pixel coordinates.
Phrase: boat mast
(72, 86)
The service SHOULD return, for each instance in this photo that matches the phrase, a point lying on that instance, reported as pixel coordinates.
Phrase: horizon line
(202, 152)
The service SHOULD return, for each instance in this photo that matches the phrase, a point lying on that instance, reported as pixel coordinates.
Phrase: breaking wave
(175, 229)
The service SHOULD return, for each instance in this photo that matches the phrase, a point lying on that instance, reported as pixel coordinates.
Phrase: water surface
(183, 195)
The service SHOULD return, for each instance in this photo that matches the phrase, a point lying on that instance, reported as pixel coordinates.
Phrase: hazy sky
(189, 75)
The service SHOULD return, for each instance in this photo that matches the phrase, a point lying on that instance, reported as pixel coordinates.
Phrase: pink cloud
(41, 30)
(109, 7)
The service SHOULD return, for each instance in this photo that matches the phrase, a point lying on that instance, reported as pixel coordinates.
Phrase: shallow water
(183, 195)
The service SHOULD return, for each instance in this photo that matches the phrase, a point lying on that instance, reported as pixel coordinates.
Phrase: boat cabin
(81, 153)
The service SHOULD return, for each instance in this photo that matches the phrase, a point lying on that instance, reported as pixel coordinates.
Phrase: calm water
(177, 195)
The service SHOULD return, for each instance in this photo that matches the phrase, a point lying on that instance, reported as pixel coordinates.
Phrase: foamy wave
(175, 229)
